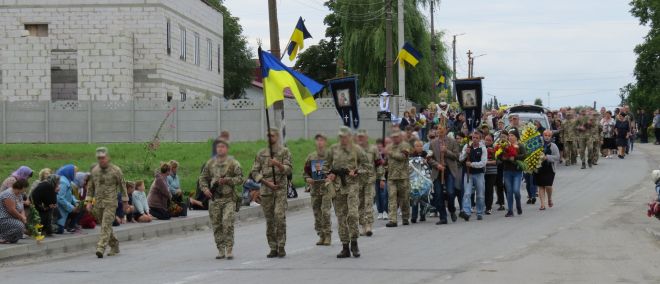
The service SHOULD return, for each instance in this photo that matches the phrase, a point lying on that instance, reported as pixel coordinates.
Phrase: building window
(196, 49)
(182, 92)
(38, 30)
(219, 58)
(183, 44)
(209, 47)
(169, 37)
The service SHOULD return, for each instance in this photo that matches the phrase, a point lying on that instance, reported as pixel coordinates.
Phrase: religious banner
(345, 94)
(469, 96)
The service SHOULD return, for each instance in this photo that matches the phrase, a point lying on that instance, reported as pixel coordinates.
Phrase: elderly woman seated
(12, 215)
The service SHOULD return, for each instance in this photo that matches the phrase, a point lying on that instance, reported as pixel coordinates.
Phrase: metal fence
(191, 121)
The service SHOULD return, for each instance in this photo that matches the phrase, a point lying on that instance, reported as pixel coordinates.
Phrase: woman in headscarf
(21, 173)
(80, 182)
(44, 198)
(67, 204)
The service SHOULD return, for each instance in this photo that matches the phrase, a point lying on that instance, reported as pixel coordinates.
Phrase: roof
(526, 108)
(207, 2)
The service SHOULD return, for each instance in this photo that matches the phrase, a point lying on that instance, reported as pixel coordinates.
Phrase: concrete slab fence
(191, 121)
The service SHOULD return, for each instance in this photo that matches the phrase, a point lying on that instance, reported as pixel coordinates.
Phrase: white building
(110, 50)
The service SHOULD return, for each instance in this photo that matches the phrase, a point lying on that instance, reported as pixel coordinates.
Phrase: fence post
(90, 105)
(218, 125)
(46, 122)
(4, 122)
(133, 120)
(176, 122)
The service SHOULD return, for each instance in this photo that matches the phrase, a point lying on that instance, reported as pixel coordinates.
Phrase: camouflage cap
(395, 132)
(362, 132)
(274, 131)
(344, 131)
(101, 152)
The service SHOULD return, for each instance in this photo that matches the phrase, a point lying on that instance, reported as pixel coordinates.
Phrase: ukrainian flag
(442, 81)
(409, 54)
(279, 79)
(298, 37)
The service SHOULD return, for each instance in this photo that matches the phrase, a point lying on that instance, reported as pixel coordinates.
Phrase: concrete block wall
(111, 39)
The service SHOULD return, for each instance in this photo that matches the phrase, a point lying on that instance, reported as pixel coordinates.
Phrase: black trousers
(490, 187)
(499, 184)
(159, 213)
(46, 220)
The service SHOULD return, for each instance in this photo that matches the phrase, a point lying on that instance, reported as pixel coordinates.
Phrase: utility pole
(433, 54)
(453, 48)
(402, 70)
(389, 60)
(472, 64)
(278, 107)
(469, 54)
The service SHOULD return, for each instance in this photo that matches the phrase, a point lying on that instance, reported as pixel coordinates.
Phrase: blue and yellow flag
(442, 81)
(298, 37)
(408, 54)
(280, 80)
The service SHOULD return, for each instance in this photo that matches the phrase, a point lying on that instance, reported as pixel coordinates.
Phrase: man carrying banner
(321, 195)
(272, 171)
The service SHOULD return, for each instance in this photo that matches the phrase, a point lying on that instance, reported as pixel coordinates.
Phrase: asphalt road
(596, 233)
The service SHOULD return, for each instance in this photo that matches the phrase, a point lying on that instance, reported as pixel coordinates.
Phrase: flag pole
(270, 146)
(286, 50)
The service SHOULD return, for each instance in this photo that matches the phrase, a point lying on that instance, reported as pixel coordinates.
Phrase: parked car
(528, 113)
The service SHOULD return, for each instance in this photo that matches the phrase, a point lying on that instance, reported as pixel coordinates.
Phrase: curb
(143, 231)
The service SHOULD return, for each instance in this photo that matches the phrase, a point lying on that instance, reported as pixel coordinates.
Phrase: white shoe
(386, 216)
(254, 204)
(380, 216)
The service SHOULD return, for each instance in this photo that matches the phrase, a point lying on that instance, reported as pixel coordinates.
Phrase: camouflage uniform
(398, 181)
(273, 202)
(321, 196)
(597, 138)
(222, 205)
(105, 184)
(367, 188)
(584, 130)
(570, 140)
(346, 200)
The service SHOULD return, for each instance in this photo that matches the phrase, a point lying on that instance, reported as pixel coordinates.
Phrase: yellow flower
(38, 226)
(39, 238)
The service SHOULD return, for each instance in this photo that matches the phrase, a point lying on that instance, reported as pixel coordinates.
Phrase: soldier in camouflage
(106, 182)
(345, 162)
(272, 172)
(570, 140)
(367, 188)
(321, 195)
(584, 130)
(596, 137)
(398, 179)
(217, 181)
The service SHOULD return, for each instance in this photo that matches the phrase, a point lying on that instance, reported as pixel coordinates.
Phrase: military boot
(281, 252)
(272, 254)
(369, 231)
(230, 253)
(354, 249)
(114, 249)
(584, 166)
(321, 240)
(221, 253)
(327, 239)
(100, 252)
(345, 252)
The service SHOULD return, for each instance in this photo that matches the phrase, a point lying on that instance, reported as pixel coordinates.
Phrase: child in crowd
(130, 188)
(141, 212)
(420, 181)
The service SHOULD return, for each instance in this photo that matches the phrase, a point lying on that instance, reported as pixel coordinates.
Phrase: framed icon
(344, 98)
(469, 98)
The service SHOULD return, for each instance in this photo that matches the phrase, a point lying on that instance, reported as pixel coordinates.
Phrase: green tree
(538, 102)
(362, 45)
(318, 61)
(238, 63)
(645, 93)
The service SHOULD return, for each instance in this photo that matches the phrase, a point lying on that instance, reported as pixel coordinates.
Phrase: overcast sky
(578, 52)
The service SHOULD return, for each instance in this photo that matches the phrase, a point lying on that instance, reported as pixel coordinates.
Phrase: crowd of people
(432, 164)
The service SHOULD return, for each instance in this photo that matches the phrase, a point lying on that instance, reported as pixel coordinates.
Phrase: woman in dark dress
(545, 176)
(44, 198)
(622, 133)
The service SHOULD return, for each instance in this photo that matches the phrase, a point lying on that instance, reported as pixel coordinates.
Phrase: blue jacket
(66, 202)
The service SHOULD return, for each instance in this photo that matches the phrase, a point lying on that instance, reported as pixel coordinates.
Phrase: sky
(565, 52)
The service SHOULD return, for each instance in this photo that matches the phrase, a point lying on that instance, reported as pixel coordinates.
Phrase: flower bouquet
(34, 225)
(505, 151)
